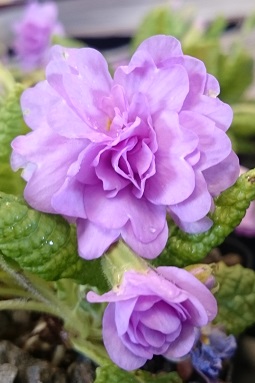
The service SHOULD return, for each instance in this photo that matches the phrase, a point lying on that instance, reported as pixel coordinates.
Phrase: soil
(32, 350)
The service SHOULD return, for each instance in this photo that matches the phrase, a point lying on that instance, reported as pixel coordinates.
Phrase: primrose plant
(130, 180)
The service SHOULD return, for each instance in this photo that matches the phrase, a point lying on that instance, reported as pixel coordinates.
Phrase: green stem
(21, 280)
(38, 288)
(95, 351)
(21, 304)
(16, 292)
(119, 259)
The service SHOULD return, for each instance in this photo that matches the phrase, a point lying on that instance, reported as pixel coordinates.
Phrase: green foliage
(236, 298)
(11, 125)
(11, 121)
(244, 119)
(161, 20)
(146, 377)
(225, 67)
(183, 249)
(233, 85)
(43, 244)
(248, 24)
(216, 28)
(7, 82)
(113, 374)
(67, 42)
(207, 51)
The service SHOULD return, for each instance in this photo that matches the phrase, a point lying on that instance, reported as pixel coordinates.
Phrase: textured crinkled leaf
(183, 249)
(236, 297)
(113, 374)
(11, 121)
(43, 244)
(11, 125)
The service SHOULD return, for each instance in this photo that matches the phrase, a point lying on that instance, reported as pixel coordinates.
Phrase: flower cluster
(118, 154)
(154, 313)
(33, 34)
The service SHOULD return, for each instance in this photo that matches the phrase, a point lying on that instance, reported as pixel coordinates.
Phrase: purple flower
(34, 32)
(247, 225)
(207, 357)
(154, 313)
(118, 154)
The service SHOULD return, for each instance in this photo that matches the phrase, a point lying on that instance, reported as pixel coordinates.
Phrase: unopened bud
(206, 275)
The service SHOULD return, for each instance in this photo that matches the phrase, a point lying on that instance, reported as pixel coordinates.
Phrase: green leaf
(146, 377)
(243, 124)
(10, 182)
(226, 67)
(183, 249)
(161, 20)
(216, 28)
(248, 24)
(43, 244)
(7, 82)
(244, 146)
(236, 297)
(11, 121)
(11, 125)
(207, 51)
(67, 42)
(233, 85)
(113, 374)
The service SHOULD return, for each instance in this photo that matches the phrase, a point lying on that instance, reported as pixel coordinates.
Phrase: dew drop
(65, 55)
(152, 229)
(50, 243)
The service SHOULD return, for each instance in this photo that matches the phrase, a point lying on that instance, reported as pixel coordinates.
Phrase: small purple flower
(34, 32)
(118, 154)
(154, 313)
(207, 357)
(247, 225)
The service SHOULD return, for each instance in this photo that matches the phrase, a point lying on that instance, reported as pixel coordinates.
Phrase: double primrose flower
(152, 311)
(116, 155)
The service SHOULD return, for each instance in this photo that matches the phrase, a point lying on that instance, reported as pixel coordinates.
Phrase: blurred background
(119, 18)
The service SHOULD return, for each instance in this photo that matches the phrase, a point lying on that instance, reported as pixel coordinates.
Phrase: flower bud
(205, 274)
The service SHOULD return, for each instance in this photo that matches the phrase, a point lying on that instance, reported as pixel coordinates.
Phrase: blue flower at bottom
(207, 357)
(206, 360)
